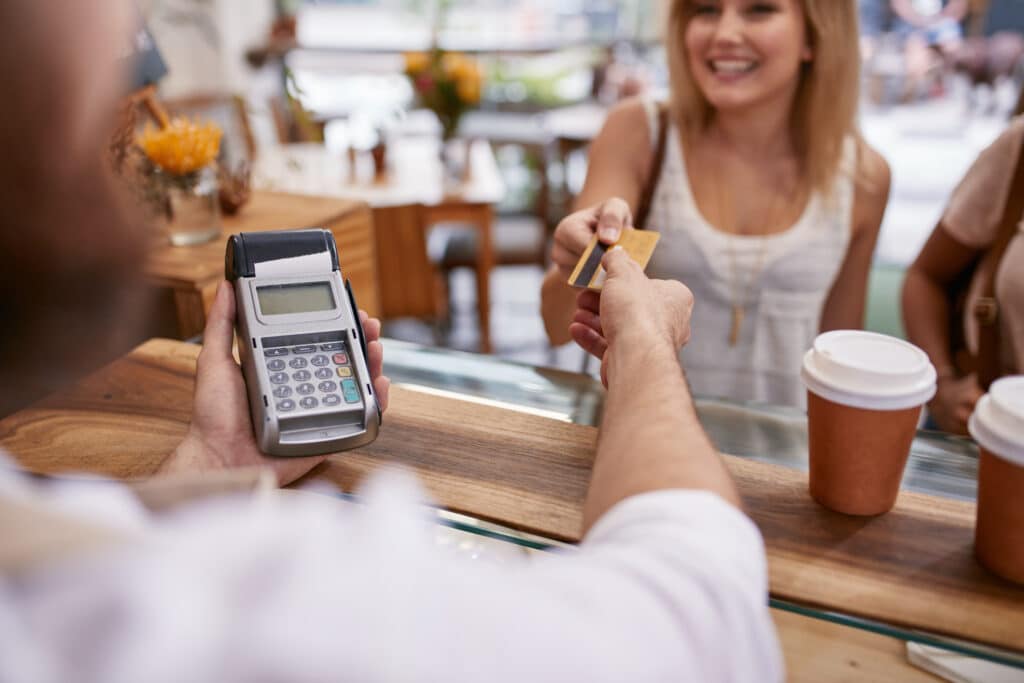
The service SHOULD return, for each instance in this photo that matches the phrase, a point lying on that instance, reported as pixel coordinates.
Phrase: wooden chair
(292, 123)
(408, 280)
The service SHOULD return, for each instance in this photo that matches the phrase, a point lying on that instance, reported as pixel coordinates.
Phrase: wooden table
(407, 201)
(191, 274)
(912, 568)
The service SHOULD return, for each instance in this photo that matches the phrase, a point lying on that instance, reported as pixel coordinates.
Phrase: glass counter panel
(939, 464)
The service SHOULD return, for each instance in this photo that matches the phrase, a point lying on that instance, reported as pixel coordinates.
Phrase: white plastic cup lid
(868, 370)
(997, 423)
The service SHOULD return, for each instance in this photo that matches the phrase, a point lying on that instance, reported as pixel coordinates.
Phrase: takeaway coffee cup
(864, 398)
(998, 426)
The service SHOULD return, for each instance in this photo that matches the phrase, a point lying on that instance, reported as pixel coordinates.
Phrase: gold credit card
(589, 273)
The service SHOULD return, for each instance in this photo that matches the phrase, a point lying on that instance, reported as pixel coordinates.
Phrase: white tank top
(782, 310)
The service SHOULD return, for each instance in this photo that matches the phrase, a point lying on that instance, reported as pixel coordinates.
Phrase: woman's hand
(220, 435)
(954, 402)
(575, 231)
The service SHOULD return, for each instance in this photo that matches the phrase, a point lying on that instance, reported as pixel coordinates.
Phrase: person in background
(669, 582)
(767, 200)
(964, 243)
(875, 17)
(932, 36)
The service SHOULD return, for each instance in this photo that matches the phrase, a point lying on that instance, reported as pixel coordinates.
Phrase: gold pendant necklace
(740, 293)
(737, 322)
(740, 300)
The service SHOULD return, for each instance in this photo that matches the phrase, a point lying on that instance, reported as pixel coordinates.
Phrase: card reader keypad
(334, 382)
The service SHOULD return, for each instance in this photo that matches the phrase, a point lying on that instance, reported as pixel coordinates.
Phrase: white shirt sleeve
(667, 586)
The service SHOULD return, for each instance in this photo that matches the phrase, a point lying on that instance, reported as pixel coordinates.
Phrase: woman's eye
(705, 9)
(762, 8)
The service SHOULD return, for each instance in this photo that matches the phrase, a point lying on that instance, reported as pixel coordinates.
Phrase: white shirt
(781, 281)
(668, 586)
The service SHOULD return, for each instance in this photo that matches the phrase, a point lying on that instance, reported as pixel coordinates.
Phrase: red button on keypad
(340, 358)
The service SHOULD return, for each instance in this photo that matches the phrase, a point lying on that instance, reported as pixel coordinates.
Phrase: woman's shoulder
(872, 179)
(626, 138)
(631, 118)
(1014, 133)
(1004, 150)
(975, 208)
(873, 171)
(997, 159)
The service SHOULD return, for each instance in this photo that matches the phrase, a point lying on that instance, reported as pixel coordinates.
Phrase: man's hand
(632, 311)
(954, 402)
(221, 436)
(575, 231)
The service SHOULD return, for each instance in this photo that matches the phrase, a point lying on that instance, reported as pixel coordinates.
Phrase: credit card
(589, 273)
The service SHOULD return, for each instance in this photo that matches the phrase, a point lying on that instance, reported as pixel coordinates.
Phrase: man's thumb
(618, 263)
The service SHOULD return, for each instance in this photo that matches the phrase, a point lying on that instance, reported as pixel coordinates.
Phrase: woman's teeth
(732, 66)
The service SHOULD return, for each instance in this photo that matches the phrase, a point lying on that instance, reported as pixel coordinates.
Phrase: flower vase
(454, 163)
(379, 153)
(193, 204)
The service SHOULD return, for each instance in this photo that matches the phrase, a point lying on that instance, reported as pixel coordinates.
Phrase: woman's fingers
(564, 258)
(589, 300)
(614, 217)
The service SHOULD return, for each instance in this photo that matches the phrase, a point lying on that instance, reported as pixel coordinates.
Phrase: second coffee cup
(997, 424)
(864, 397)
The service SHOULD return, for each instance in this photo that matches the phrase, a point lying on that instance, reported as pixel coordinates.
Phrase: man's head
(67, 245)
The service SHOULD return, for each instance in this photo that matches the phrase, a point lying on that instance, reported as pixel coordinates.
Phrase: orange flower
(468, 89)
(182, 147)
(416, 62)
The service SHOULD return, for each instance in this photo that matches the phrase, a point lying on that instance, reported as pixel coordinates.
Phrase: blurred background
(332, 98)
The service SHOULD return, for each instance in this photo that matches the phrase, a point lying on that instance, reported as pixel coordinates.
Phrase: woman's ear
(807, 55)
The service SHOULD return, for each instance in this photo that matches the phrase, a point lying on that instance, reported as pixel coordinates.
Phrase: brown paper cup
(857, 455)
(999, 531)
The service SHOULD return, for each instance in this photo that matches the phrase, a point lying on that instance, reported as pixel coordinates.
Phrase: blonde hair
(825, 106)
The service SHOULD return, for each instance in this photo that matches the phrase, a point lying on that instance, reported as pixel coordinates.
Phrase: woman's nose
(729, 27)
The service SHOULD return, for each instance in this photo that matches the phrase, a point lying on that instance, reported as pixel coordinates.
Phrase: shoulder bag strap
(986, 309)
(644, 208)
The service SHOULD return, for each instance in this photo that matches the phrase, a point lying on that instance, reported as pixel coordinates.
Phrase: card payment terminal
(301, 344)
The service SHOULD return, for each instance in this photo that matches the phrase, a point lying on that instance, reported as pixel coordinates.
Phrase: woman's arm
(926, 315)
(844, 307)
(620, 157)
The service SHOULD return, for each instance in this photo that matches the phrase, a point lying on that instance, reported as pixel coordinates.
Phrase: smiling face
(746, 53)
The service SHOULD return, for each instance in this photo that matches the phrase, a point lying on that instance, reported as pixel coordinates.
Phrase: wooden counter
(913, 567)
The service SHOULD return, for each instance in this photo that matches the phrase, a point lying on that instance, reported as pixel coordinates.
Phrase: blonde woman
(768, 201)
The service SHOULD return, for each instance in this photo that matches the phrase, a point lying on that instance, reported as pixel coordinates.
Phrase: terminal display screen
(305, 298)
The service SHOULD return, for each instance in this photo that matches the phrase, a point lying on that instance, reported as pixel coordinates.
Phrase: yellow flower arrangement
(447, 83)
(416, 63)
(183, 147)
